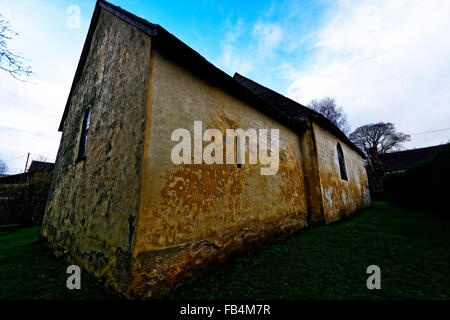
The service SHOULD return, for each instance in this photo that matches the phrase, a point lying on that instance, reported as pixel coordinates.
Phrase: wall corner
(311, 171)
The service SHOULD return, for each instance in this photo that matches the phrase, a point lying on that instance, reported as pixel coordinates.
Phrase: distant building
(23, 196)
(41, 166)
(38, 171)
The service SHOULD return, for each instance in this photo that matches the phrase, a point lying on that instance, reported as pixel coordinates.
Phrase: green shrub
(424, 185)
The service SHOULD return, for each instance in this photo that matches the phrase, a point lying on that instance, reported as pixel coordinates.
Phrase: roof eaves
(149, 28)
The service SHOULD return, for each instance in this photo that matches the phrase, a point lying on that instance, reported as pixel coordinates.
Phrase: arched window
(341, 160)
(84, 135)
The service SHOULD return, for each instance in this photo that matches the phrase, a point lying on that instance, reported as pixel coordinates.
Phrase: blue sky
(381, 60)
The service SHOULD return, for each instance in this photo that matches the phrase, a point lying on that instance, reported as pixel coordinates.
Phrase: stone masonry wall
(93, 205)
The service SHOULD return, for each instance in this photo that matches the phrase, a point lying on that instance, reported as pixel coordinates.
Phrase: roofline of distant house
(174, 48)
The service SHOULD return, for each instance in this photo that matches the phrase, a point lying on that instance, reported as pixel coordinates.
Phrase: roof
(400, 160)
(278, 107)
(293, 109)
(41, 166)
(287, 106)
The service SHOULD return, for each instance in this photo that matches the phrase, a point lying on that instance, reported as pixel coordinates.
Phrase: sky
(381, 60)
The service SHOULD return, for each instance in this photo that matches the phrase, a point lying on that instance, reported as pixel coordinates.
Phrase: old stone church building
(120, 207)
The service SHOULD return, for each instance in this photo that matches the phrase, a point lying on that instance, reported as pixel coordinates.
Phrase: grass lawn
(411, 248)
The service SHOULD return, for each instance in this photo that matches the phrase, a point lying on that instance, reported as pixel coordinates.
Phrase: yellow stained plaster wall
(340, 198)
(194, 214)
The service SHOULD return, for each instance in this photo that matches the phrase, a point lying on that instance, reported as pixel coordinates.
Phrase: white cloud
(384, 62)
(269, 36)
(235, 31)
(232, 60)
(242, 55)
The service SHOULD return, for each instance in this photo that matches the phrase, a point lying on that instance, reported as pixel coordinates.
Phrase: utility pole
(26, 164)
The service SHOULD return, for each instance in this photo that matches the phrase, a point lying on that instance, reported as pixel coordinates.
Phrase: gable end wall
(93, 204)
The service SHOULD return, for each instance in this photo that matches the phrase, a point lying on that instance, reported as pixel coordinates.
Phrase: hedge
(23, 204)
(424, 185)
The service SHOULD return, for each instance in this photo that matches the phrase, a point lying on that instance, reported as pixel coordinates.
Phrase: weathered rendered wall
(340, 198)
(93, 204)
(195, 214)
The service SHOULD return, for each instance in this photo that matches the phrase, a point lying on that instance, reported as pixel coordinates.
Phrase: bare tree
(3, 167)
(327, 107)
(380, 137)
(11, 62)
(375, 139)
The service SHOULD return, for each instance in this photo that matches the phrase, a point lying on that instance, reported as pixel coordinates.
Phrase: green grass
(29, 271)
(329, 262)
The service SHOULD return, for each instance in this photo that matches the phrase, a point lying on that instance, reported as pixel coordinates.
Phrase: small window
(84, 135)
(341, 159)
